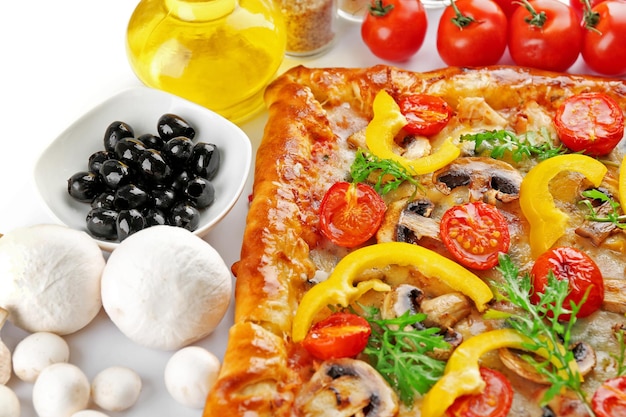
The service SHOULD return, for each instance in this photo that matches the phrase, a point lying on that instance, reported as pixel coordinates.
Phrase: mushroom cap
(89, 413)
(50, 278)
(165, 288)
(189, 375)
(37, 351)
(116, 388)
(60, 390)
(10, 402)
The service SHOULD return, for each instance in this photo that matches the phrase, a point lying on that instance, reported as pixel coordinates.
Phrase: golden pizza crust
(301, 154)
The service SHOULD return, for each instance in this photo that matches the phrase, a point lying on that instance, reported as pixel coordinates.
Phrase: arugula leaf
(502, 141)
(613, 216)
(540, 323)
(620, 334)
(390, 173)
(399, 352)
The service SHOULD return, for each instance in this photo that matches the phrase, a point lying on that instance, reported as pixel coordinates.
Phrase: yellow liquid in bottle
(218, 53)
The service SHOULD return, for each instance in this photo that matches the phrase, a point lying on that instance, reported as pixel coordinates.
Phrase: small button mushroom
(60, 390)
(347, 387)
(116, 388)
(37, 351)
(5, 353)
(190, 374)
(89, 413)
(10, 404)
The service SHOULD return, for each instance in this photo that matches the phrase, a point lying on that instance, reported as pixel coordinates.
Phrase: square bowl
(140, 107)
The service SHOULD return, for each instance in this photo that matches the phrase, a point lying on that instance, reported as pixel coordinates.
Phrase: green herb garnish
(541, 324)
(390, 173)
(501, 142)
(399, 352)
(612, 216)
(619, 332)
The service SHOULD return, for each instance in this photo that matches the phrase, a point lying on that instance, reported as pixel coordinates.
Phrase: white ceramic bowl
(141, 108)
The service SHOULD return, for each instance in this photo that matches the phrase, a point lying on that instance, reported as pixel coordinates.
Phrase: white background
(58, 60)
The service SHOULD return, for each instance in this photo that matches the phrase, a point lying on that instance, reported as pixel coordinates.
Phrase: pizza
(447, 243)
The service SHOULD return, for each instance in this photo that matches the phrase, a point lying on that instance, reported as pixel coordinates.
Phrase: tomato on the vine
(426, 115)
(592, 123)
(340, 335)
(609, 399)
(603, 48)
(472, 33)
(351, 213)
(475, 234)
(579, 6)
(581, 272)
(494, 401)
(545, 34)
(394, 30)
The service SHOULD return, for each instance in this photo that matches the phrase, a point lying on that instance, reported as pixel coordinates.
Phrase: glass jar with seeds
(310, 25)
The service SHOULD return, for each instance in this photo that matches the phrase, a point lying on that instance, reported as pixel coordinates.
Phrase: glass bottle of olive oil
(218, 53)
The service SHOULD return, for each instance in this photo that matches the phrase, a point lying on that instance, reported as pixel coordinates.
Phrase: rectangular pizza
(447, 243)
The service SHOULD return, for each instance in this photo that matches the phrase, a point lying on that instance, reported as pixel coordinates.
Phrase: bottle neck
(200, 10)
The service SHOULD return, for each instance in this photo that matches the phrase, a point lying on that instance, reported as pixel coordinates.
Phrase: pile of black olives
(146, 180)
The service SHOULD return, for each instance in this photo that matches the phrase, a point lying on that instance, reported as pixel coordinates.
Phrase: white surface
(141, 108)
(60, 59)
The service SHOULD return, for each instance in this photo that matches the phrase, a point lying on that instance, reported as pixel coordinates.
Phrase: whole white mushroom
(116, 388)
(37, 351)
(190, 374)
(10, 404)
(165, 288)
(60, 390)
(89, 413)
(50, 278)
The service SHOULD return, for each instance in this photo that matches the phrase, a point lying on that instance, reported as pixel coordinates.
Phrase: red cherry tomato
(609, 399)
(472, 33)
(592, 123)
(494, 401)
(426, 114)
(549, 37)
(394, 30)
(603, 48)
(341, 335)
(350, 213)
(579, 270)
(475, 233)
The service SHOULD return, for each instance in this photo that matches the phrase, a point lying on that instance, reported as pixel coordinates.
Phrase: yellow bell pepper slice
(339, 288)
(547, 222)
(622, 184)
(383, 128)
(462, 373)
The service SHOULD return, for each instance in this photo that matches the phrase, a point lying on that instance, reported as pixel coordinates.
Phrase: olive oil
(218, 53)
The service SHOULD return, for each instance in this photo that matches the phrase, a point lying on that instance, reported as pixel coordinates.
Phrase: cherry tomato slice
(341, 335)
(475, 233)
(609, 399)
(495, 400)
(592, 123)
(426, 115)
(576, 267)
(350, 213)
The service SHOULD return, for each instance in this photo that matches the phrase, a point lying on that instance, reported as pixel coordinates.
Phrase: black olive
(104, 200)
(128, 151)
(153, 166)
(204, 160)
(185, 215)
(101, 223)
(130, 196)
(151, 141)
(84, 186)
(200, 192)
(170, 126)
(163, 198)
(177, 151)
(179, 183)
(155, 217)
(129, 222)
(97, 158)
(115, 132)
(115, 173)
